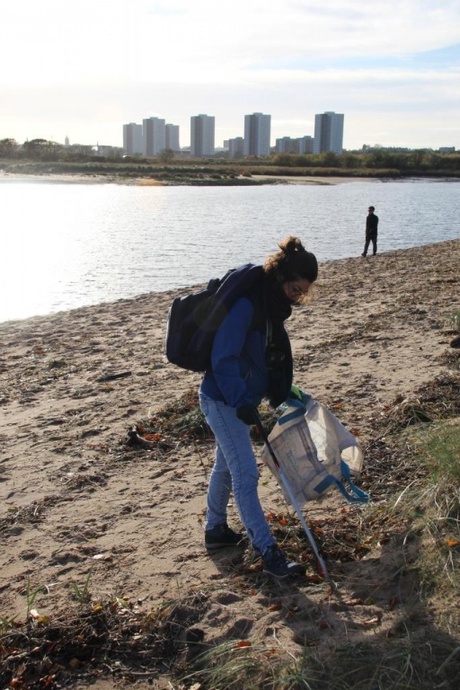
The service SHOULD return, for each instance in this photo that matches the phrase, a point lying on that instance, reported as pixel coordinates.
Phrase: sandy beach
(80, 502)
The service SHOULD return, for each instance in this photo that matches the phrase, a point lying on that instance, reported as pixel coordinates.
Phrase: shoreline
(241, 180)
(76, 178)
(194, 287)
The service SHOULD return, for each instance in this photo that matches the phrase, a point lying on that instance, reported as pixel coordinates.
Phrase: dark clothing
(251, 354)
(372, 222)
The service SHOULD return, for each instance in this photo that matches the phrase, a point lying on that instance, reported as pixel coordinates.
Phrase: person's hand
(296, 393)
(247, 414)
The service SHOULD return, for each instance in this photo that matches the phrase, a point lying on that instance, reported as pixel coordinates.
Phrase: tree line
(393, 161)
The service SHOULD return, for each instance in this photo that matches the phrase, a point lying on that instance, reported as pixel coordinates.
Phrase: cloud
(198, 40)
(97, 64)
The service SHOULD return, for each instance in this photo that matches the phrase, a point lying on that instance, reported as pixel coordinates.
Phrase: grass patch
(409, 663)
(442, 447)
(436, 507)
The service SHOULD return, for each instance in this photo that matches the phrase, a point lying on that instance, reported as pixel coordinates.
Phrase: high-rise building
(257, 135)
(328, 133)
(172, 137)
(304, 144)
(202, 131)
(283, 145)
(153, 129)
(298, 145)
(132, 139)
(236, 147)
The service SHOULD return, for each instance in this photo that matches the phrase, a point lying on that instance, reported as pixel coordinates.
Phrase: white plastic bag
(315, 452)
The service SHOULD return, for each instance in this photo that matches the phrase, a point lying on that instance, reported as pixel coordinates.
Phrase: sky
(83, 68)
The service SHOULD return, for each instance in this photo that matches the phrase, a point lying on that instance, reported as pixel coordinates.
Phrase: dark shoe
(277, 565)
(363, 254)
(221, 536)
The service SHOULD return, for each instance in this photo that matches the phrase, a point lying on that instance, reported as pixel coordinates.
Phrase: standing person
(251, 359)
(372, 222)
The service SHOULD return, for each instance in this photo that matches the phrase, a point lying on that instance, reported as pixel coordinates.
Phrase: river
(69, 245)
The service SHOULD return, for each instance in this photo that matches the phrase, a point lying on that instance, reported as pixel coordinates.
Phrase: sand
(81, 178)
(76, 499)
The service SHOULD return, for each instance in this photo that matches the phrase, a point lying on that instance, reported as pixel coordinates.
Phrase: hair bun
(291, 245)
(292, 262)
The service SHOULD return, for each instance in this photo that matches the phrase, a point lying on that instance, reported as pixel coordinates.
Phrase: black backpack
(194, 319)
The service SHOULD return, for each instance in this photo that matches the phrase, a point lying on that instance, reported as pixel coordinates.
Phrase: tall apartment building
(172, 137)
(283, 145)
(298, 145)
(236, 147)
(132, 139)
(202, 132)
(304, 144)
(153, 129)
(328, 133)
(257, 135)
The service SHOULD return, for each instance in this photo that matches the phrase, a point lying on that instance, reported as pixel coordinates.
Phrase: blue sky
(83, 68)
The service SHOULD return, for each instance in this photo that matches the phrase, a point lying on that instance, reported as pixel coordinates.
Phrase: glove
(247, 414)
(296, 393)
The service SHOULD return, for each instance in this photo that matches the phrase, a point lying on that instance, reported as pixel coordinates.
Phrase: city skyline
(155, 136)
(80, 71)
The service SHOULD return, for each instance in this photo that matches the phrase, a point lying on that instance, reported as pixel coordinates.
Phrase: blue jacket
(239, 373)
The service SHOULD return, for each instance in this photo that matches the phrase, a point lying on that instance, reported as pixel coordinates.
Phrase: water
(70, 245)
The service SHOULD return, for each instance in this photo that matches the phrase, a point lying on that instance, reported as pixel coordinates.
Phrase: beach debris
(113, 376)
(94, 640)
(138, 435)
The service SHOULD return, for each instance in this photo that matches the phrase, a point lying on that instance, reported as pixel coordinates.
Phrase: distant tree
(42, 149)
(166, 156)
(331, 159)
(415, 159)
(284, 159)
(380, 158)
(351, 160)
(8, 148)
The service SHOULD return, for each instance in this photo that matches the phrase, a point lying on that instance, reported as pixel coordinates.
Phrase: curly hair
(292, 262)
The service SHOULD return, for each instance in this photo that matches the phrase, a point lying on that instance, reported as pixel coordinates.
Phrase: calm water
(69, 245)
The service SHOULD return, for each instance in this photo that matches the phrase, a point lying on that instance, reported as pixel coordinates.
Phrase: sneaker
(276, 564)
(221, 536)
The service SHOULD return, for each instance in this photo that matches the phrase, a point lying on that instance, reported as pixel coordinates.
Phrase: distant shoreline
(241, 180)
(90, 178)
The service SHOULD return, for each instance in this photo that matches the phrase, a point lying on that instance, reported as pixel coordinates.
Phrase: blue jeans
(235, 468)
